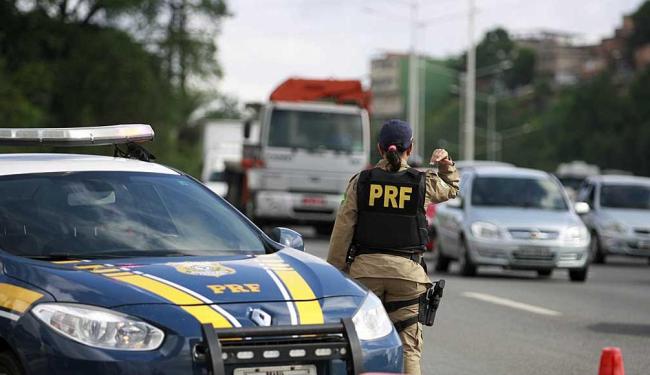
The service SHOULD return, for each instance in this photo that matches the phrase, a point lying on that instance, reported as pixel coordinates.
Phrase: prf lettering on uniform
(235, 288)
(389, 195)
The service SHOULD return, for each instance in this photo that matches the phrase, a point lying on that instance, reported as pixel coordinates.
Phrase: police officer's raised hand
(441, 157)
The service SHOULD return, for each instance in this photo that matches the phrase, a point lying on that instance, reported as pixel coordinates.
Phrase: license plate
(313, 201)
(277, 370)
(645, 245)
(535, 251)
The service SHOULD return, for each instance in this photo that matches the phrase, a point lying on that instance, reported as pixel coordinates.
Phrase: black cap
(395, 132)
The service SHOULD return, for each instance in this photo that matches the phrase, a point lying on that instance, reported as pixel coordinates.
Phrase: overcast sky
(267, 41)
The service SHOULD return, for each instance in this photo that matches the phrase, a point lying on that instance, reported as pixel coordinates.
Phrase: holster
(429, 302)
(428, 305)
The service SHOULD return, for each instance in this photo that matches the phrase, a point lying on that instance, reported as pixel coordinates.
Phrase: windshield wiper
(137, 254)
(54, 256)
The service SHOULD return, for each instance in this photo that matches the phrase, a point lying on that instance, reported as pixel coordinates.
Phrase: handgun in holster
(429, 302)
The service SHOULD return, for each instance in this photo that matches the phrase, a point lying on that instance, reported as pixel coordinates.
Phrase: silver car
(514, 218)
(619, 219)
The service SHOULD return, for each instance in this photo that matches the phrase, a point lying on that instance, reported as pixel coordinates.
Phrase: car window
(541, 193)
(463, 185)
(591, 195)
(137, 214)
(625, 196)
(587, 194)
(316, 130)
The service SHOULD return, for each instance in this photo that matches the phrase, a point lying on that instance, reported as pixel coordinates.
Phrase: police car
(116, 265)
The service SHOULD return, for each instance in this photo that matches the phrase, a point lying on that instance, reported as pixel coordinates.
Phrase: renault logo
(260, 317)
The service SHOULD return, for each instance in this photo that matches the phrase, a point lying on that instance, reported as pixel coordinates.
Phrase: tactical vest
(390, 212)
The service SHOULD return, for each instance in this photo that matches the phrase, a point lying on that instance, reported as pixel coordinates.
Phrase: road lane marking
(510, 303)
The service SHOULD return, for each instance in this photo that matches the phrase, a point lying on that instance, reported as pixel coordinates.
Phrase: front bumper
(43, 351)
(522, 254)
(625, 244)
(296, 207)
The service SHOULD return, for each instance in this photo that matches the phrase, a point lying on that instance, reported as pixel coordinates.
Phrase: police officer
(380, 231)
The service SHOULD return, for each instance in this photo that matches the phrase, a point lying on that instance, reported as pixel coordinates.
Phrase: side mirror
(288, 237)
(581, 208)
(455, 203)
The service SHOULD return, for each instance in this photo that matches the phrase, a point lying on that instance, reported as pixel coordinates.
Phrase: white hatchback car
(514, 218)
(619, 219)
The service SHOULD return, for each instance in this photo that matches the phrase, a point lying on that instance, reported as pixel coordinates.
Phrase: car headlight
(576, 234)
(615, 227)
(98, 327)
(481, 229)
(371, 321)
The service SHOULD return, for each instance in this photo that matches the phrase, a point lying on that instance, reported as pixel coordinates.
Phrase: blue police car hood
(288, 275)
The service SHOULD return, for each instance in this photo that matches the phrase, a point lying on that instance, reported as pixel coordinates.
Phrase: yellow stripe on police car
(15, 299)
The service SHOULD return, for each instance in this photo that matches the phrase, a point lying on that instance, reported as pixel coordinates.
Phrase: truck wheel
(467, 267)
(9, 365)
(440, 260)
(596, 250)
(545, 274)
(578, 275)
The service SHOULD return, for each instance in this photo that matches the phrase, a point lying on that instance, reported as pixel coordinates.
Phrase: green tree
(523, 68)
(66, 65)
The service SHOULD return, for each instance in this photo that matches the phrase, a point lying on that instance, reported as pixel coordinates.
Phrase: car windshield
(571, 182)
(540, 193)
(85, 214)
(316, 130)
(625, 196)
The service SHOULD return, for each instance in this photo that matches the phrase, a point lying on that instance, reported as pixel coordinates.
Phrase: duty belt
(414, 256)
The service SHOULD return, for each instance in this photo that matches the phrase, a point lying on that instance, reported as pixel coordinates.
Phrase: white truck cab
(300, 160)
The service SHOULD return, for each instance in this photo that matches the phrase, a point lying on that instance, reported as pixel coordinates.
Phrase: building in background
(389, 86)
(559, 56)
(616, 51)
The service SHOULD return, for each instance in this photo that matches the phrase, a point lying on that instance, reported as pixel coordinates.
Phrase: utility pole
(461, 113)
(491, 139)
(470, 88)
(414, 91)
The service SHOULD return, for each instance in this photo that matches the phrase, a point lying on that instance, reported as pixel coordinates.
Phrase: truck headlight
(576, 234)
(98, 327)
(371, 321)
(484, 230)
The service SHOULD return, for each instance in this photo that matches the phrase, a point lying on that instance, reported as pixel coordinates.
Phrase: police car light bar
(84, 136)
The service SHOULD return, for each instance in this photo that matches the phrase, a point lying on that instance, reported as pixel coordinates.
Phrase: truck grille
(533, 234)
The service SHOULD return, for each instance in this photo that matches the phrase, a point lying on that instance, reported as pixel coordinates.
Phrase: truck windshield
(625, 196)
(104, 214)
(316, 130)
(517, 192)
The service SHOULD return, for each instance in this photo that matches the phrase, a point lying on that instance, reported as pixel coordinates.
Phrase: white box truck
(222, 144)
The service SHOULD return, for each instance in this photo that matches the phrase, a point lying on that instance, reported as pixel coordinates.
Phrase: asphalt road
(507, 322)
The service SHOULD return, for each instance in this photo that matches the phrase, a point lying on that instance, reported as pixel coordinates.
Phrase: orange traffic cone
(611, 362)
